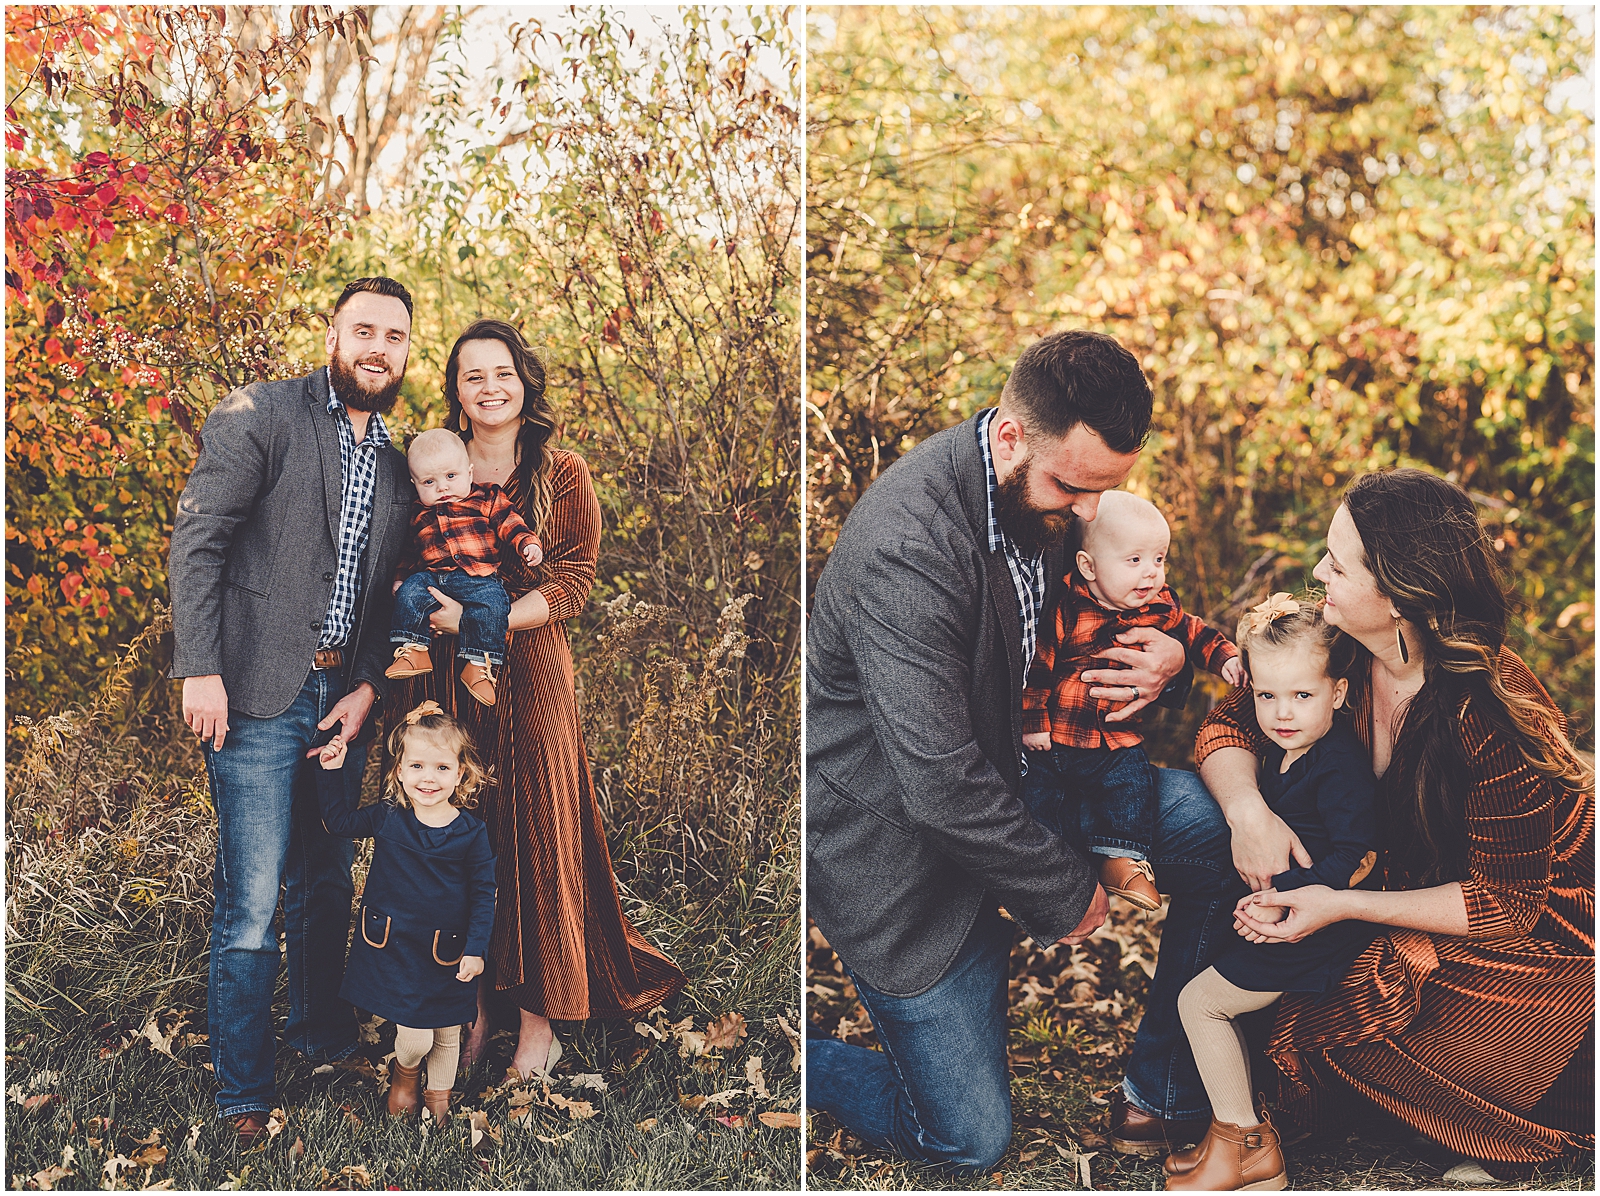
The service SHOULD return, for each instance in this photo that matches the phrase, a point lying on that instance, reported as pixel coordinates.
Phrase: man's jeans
(939, 1092)
(270, 834)
(485, 611)
(1112, 794)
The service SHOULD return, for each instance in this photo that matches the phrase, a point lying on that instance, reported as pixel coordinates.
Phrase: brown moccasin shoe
(1132, 880)
(410, 660)
(479, 680)
(250, 1127)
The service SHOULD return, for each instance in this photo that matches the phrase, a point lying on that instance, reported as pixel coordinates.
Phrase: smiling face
(1354, 604)
(430, 770)
(1294, 696)
(440, 469)
(368, 342)
(1124, 555)
(1046, 482)
(488, 385)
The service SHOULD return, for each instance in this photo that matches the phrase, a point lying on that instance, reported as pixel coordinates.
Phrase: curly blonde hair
(436, 723)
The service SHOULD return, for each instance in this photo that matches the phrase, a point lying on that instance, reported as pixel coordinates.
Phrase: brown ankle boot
(1132, 880)
(1180, 1161)
(479, 680)
(1235, 1158)
(405, 1086)
(437, 1102)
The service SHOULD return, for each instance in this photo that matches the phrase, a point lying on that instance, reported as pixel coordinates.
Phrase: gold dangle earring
(1400, 640)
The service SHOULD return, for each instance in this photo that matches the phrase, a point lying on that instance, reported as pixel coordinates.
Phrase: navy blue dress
(429, 900)
(1329, 799)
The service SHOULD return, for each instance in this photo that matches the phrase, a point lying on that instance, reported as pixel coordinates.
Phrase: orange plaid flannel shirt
(1057, 701)
(465, 533)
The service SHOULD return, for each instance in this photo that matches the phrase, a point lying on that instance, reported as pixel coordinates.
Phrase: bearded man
(284, 547)
(924, 626)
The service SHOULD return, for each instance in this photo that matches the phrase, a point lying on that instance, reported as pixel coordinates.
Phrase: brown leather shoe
(410, 660)
(1132, 880)
(1235, 1158)
(479, 681)
(1133, 1131)
(437, 1102)
(250, 1127)
(405, 1088)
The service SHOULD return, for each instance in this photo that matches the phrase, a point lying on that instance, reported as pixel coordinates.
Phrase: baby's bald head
(440, 467)
(1124, 551)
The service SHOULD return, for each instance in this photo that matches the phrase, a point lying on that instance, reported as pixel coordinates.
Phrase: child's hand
(1261, 911)
(1037, 741)
(1233, 672)
(533, 554)
(471, 965)
(332, 754)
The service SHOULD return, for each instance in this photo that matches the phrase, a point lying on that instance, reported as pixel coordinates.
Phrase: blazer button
(316, 627)
(327, 577)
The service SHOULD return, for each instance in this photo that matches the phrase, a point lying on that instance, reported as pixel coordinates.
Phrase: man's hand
(471, 965)
(350, 711)
(1233, 673)
(1099, 907)
(205, 708)
(1153, 660)
(533, 554)
(447, 619)
(1037, 741)
(1263, 845)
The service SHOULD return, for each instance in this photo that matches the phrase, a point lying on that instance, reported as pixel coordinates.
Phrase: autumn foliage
(1338, 239)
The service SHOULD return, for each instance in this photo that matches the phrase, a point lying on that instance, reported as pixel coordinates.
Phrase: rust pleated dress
(561, 946)
(1485, 1043)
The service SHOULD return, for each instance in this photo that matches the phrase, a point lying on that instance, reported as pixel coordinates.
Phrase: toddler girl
(428, 905)
(1317, 777)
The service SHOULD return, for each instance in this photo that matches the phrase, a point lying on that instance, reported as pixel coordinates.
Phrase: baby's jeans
(485, 608)
(442, 1048)
(1097, 796)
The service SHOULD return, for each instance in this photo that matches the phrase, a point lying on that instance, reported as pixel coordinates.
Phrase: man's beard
(1031, 528)
(353, 388)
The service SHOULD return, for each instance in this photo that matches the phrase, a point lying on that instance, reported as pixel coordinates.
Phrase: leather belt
(327, 658)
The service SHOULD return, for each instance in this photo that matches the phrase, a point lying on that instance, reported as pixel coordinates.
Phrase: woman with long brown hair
(1472, 1019)
(561, 948)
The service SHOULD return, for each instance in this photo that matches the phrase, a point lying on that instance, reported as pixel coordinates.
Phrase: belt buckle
(324, 659)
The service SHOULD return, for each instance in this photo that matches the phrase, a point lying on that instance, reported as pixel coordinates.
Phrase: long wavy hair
(1428, 553)
(532, 469)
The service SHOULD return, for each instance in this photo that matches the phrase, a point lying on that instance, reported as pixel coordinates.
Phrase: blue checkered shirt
(1027, 572)
(358, 465)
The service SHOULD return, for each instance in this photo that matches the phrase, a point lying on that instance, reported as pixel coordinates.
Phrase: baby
(456, 536)
(1118, 581)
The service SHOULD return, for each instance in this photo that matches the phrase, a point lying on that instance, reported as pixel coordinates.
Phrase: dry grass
(112, 839)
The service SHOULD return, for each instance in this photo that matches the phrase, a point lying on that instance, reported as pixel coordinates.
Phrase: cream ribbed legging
(441, 1046)
(1207, 1007)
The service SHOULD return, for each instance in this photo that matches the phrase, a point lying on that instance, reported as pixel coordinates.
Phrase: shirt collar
(991, 483)
(377, 430)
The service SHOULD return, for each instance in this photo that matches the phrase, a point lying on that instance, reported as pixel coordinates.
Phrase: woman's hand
(448, 617)
(471, 966)
(1304, 911)
(1152, 661)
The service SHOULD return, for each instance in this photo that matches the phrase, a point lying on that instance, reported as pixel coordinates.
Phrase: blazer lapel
(967, 461)
(382, 497)
(328, 449)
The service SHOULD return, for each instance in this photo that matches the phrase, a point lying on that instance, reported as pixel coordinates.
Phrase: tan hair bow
(423, 711)
(1266, 613)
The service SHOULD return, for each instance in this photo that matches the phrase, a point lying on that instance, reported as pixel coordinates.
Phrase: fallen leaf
(275, 1123)
(236, 1182)
(758, 1082)
(43, 1079)
(348, 1179)
(589, 1080)
(151, 1156)
(646, 1030)
(165, 1185)
(326, 1069)
(1027, 1156)
(297, 1150)
(189, 1143)
(645, 1126)
(690, 1041)
(1083, 1168)
(521, 1097)
(47, 1179)
(482, 1131)
(780, 1121)
(733, 1121)
(153, 1138)
(113, 1166)
(793, 1036)
(549, 1141)
(1090, 1140)
(692, 1103)
(38, 1104)
(578, 1110)
(520, 1116)
(726, 1031)
(367, 1031)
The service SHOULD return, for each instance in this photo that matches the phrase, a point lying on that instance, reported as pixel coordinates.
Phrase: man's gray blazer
(254, 547)
(914, 820)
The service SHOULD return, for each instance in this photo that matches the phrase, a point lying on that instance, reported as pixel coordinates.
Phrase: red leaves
(175, 213)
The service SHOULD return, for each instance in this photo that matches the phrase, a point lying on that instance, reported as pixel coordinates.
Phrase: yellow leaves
(780, 1121)
(578, 1110)
(725, 1032)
